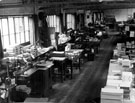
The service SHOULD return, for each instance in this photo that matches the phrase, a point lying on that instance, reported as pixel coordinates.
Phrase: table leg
(71, 69)
(62, 73)
(79, 64)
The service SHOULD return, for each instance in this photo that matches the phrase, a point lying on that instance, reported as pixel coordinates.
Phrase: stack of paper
(126, 83)
(127, 77)
(119, 46)
(132, 94)
(112, 77)
(126, 28)
(109, 95)
(126, 63)
(110, 101)
(115, 83)
(116, 72)
(132, 34)
(126, 94)
(115, 52)
(111, 81)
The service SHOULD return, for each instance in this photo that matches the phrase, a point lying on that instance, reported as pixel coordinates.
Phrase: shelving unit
(130, 38)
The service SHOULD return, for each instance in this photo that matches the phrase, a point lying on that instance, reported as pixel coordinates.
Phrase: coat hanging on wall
(41, 15)
(61, 21)
(44, 36)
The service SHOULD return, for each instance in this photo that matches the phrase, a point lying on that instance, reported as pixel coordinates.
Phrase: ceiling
(87, 4)
(73, 4)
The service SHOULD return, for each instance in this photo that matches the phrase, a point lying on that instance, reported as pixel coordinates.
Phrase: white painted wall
(120, 14)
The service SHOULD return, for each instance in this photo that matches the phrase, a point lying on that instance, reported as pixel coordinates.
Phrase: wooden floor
(85, 87)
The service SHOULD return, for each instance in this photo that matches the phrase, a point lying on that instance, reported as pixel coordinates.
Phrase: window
(15, 30)
(54, 21)
(11, 31)
(70, 21)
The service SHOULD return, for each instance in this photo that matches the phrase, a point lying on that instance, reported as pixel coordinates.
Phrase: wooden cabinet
(40, 82)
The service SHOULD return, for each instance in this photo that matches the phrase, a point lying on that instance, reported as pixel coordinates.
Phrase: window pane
(51, 21)
(26, 23)
(48, 20)
(5, 26)
(11, 25)
(18, 38)
(5, 33)
(17, 31)
(11, 31)
(31, 30)
(17, 25)
(21, 29)
(12, 39)
(27, 36)
(57, 24)
(55, 20)
(5, 41)
(26, 26)
(70, 21)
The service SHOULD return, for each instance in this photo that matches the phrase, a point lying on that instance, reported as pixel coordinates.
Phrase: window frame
(15, 32)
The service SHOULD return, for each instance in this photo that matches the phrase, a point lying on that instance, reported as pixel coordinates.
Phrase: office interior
(67, 51)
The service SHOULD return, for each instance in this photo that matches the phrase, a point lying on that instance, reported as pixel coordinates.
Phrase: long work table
(120, 79)
(66, 58)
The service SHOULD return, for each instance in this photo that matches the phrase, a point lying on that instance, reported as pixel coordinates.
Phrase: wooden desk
(74, 55)
(40, 78)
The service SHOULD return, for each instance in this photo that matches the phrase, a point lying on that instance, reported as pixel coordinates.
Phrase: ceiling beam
(76, 5)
